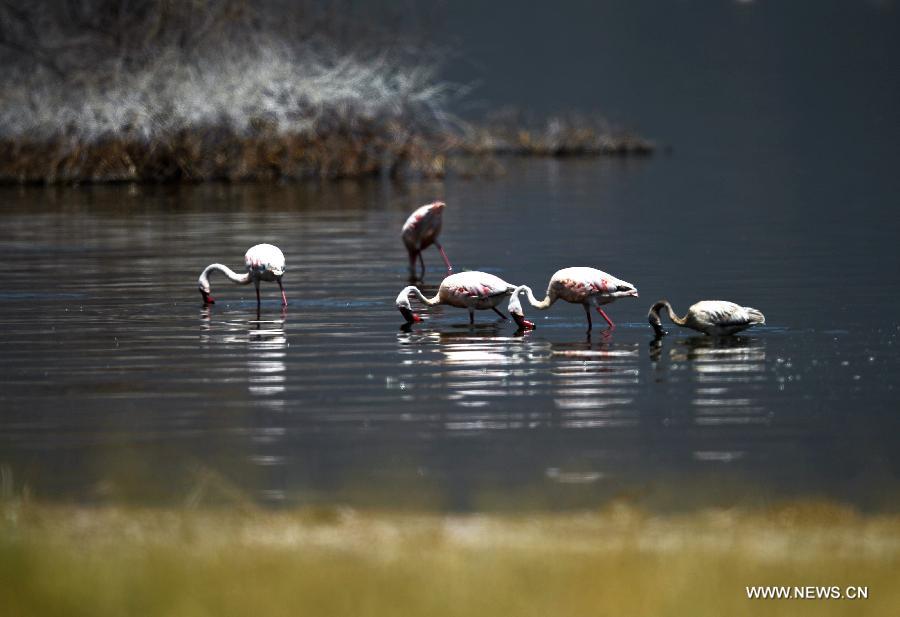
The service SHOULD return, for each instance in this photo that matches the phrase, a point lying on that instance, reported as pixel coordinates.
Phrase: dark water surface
(116, 384)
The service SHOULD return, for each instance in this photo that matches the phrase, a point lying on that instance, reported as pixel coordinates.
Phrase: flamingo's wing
(580, 288)
(265, 257)
(422, 226)
(480, 285)
(721, 313)
(480, 291)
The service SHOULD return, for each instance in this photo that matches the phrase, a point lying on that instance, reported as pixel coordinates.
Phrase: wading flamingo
(476, 291)
(713, 317)
(264, 262)
(586, 286)
(420, 231)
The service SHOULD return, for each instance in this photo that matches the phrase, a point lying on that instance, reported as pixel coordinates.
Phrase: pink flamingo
(420, 231)
(586, 286)
(475, 291)
(264, 262)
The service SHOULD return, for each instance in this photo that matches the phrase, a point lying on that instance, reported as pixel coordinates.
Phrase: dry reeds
(150, 90)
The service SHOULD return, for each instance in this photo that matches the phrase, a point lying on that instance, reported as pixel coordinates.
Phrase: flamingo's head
(515, 309)
(654, 319)
(625, 290)
(207, 299)
(405, 308)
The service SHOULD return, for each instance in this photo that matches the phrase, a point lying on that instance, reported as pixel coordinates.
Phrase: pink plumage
(420, 231)
(589, 287)
(474, 291)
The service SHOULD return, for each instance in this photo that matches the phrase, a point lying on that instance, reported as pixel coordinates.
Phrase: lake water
(116, 384)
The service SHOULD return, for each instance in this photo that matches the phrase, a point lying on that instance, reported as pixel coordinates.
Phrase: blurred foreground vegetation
(154, 90)
(97, 561)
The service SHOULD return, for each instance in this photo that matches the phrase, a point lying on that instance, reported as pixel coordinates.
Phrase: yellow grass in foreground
(76, 561)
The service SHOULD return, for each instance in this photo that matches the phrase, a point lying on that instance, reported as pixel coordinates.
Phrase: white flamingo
(420, 231)
(264, 262)
(586, 286)
(475, 291)
(713, 317)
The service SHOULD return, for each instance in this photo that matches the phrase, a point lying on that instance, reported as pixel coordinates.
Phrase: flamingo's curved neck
(234, 277)
(664, 304)
(534, 302)
(428, 301)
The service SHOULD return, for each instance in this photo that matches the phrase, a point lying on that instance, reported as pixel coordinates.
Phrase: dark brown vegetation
(152, 90)
(511, 131)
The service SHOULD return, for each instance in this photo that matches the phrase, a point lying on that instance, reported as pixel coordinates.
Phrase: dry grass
(112, 561)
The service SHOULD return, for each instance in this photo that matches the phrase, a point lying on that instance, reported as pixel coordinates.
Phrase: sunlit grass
(57, 560)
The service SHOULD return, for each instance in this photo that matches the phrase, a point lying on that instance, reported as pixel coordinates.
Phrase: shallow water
(117, 383)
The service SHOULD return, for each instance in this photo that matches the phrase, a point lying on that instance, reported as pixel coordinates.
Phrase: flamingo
(264, 262)
(586, 286)
(713, 317)
(420, 231)
(473, 290)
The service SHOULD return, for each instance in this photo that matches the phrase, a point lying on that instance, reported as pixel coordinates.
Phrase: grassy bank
(112, 561)
(156, 91)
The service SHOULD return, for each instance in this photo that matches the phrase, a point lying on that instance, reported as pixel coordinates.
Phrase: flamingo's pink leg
(283, 295)
(257, 293)
(422, 261)
(444, 255)
(606, 317)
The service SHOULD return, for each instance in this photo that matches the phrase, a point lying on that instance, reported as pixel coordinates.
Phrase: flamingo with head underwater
(589, 287)
(420, 231)
(475, 291)
(264, 262)
(713, 317)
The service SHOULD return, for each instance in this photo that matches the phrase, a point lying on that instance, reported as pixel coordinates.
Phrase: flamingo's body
(475, 291)
(264, 262)
(589, 287)
(713, 317)
(420, 231)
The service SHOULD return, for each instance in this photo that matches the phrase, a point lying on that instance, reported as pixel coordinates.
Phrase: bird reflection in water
(480, 364)
(263, 346)
(716, 365)
(595, 384)
(266, 383)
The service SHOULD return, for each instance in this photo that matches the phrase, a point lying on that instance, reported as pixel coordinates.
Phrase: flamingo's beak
(408, 315)
(658, 330)
(207, 299)
(627, 291)
(523, 323)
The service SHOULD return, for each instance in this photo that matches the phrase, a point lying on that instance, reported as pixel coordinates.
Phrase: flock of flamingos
(478, 291)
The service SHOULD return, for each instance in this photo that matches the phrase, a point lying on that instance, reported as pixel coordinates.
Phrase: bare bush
(87, 75)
